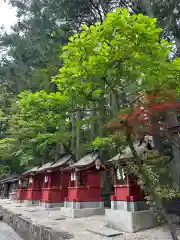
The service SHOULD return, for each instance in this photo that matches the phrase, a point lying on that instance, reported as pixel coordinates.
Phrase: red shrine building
(55, 182)
(77, 188)
(45, 185)
(25, 186)
(129, 211)
(84, 189)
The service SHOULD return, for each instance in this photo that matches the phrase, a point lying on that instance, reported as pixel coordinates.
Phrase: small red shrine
(84, 189)
(29, 187)
(129, 211)
(55, 182)
(45, 185)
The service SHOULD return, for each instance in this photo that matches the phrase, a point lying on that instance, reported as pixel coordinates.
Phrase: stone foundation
(29, 230)
(78, 213)
(129, 206)
(130, 221)
(51, 205)
(80, 205)
(13, 196)
(30, 202)
(82, 209)
(19, 201)
(27, 202)
(130, 216)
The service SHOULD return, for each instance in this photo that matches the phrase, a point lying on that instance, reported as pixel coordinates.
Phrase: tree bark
(146, 5)
(114, 104)
(93, 122)
(172, 122)
(78, 118)
(156, 134)
(101, 120)
(73, 130)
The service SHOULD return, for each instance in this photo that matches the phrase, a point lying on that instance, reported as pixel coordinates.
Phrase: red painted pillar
(46, 187)
(34, 189)
(87, 187)
(49, 175)
(29, 190)
(49, 180)
(128, 194)
(64, 183)
(126, 188)
(21, 192)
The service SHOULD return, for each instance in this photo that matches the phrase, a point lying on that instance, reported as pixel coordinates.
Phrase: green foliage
(39, 125)
(4, 171)
(101, 72)
(114, 143)
(156, 168)
(42, 107)
(123, 50)
(6, 148)
(120, 55)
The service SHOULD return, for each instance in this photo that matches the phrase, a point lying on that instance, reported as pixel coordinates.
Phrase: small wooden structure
(129, 211)
(45, 185)
(84, 189)
(30, 185)
(55, 182)
(9, 187)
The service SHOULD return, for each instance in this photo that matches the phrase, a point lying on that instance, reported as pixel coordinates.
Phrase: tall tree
(105, 58)
(167, 13)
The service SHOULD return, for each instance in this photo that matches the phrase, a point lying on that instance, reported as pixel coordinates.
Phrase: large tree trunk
(156, 134)
(93, 122)
(101, 118)
(60, 147)
(114, 104)
(174, 136)
(73, 130)
(145, 5)
(78, 118)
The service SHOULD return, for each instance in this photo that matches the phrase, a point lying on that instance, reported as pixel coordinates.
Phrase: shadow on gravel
(65, 235)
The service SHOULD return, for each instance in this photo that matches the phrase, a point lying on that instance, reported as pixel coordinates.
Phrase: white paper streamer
(46, 179)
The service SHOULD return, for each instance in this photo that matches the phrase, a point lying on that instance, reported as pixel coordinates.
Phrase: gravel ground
(6, 233)
(77, 227)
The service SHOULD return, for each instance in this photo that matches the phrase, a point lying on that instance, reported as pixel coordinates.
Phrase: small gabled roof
(127, 154)
(34, 169)
(51, 165)
(87, 160)
(62, 161)
(12, 178)
(44, 166)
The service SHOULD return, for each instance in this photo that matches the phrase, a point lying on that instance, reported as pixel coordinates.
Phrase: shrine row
(75, 188)
(77, 185)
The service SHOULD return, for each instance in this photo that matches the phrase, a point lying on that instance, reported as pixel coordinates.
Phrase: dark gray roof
(127, 154)
(44, 167)
(63, 160)
(34, 169)
(60, 162)
(12, 178)
(49, 165)
(88, 159)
